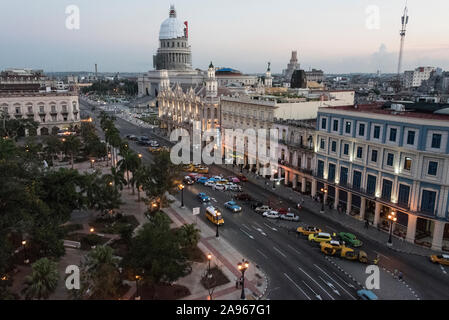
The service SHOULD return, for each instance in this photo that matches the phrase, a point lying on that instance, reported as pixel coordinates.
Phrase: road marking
(294, 249)
(266, 257)
(296, 285)
(330, 285)
(335, 282)
(247, 233)
(380, 254)
(348, 284)
(260, 230)
(316, 283)
(244, 225)
(213, 199)
(442, 269)
(316, 295)
(280, 252)
(274, 229)
(331, 228)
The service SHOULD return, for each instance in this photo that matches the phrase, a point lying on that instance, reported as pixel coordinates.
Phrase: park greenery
(112, 87)
(37, 199)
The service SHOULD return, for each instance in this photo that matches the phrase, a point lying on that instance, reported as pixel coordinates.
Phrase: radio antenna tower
(404, 21)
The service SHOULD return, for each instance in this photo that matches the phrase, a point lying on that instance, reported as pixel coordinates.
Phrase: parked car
(131, 137)
(262, 209)
(271, 214)
(320, 237)
(255, 204)
(233, 206)
(202, 180)
(308, 230)
(203, 197)
(243, 197)
(441, 259)
(219, 187)
(187, 180)
(209, 183)
(366, 295)
(242, 178)
(289, 217)
(144, 138)
(233, 187)
(282, 211)
(234, 179)
(331, 246)
(350, 238)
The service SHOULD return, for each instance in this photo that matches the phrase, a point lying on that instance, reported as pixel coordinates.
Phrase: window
(359, 152)
(334, 146)
(343, 176)
(348, 127)
(323, 123)
(322, 143)
(433, 167)
(393, 132)
(411, 137)
(390, 159)
(403, 196)
(386, 189)
(436, 141)
(356, 180)
(362, 129)
(320, 168)
(376, 133)
(407, 163)
(346, 149)
(428, 201)
(371, 185)
(335, 125)
(331, 173)
(374, 156)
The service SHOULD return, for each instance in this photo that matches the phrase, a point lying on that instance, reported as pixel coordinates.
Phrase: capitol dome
(171, 28)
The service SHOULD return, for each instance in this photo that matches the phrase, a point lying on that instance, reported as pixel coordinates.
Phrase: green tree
(71, 146)
(140, 178)
(43, 280)
(189, 236)
(53, 145)
(130, 162)
(156, 252)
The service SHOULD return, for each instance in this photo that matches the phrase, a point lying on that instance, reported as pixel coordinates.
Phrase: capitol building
(174, 59)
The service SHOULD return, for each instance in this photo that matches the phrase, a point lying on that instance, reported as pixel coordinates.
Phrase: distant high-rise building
(413, 79)
(291, 66)
(299, 79)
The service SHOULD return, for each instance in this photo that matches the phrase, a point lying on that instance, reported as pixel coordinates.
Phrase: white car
(219, 187)
(289, 217)
(271, 214)
(209, 183)
(235, 187)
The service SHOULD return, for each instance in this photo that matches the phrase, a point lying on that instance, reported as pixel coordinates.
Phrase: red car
(282, 211)
(242, 178)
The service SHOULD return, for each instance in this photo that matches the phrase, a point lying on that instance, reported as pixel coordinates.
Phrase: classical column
(303, 184)
(326, 193)
(336, 198)
(285, 177)
(377, 213)
(294, 180)
(313, 193)
(437, 240)
(362, 208)
(411, 228)
(349, 203)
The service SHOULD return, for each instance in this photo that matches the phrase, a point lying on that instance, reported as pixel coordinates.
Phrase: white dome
(171, 28)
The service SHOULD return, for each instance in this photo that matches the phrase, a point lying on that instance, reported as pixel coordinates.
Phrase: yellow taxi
(202, 169)
(308, 230)
(441, 259)
(214, 215)
(330, 247)
(155, 149)
(320, 237)
(189, 168)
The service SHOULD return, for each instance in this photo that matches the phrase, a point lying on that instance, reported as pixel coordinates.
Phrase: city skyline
(122, 37)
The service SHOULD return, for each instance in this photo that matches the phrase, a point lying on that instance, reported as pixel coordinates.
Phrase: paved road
(295, 268)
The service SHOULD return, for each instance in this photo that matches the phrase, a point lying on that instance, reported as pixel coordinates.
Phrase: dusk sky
(122, 36)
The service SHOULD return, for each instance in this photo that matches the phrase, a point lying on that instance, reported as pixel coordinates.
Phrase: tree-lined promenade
(37, 199)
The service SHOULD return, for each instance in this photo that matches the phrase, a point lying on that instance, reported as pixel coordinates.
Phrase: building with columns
(24, 94)
(374, 160)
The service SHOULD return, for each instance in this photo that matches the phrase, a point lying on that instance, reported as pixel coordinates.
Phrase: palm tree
(102, 271)
(130, 162)
(53, 146)
(139, 178)
(43, 280)
(189, 235)
(116, 177)
(71, 146)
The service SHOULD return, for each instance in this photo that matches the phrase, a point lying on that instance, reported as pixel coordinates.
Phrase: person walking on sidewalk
(366, 223)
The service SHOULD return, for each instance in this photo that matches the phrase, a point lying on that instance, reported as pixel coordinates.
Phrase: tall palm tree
(189, 235)
(43, 280)
(130, 162)
(116, 177)
(140, 175)
(53, 146)
(71, 146)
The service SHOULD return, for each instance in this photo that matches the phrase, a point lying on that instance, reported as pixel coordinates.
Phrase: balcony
(296, 145)
(298, 168)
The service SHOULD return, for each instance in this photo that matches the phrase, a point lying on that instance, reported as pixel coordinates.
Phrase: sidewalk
(344, 220)
(224, 256)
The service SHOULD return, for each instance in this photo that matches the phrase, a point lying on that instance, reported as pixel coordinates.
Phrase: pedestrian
(366, 223)
(400, 275)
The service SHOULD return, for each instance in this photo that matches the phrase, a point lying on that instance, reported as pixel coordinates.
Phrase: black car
(255, 204)
(243, 197)
(131, 137)
(144, 138)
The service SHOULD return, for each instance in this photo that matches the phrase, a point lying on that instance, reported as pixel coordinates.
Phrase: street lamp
(392, 217)
(242, 266)
(274, 181)
(91, 230)
(209, 258)
(137, 287)
(218, 220)
(92, 163)
(24, 243)
(181, 186)
(324, 191)
(140, 156)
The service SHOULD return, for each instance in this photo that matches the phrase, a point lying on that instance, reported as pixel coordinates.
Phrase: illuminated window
(407, 163)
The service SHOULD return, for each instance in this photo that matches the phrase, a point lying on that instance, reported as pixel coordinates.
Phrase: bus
(214, 215)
